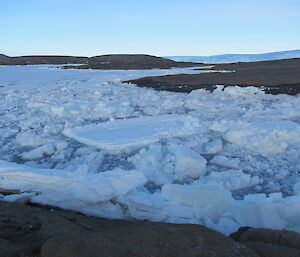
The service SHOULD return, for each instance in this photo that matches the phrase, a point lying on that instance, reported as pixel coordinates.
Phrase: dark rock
(9, 191)
(269, 250)
(146, 239)
(3, 56)
(132, 62)
(277, 77)
(45, 59)
(24, 229)
(14, 226)
(106, 62)
(268, 242)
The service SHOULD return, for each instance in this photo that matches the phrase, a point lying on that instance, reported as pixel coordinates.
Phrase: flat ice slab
(276, 125)
(124, 134)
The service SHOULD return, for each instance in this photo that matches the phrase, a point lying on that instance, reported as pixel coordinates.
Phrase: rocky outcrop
(268, 242)
(24, 229)
(146, 239)
(277, 77)
(38, 231)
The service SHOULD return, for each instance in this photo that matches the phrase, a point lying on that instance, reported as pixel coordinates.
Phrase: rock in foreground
(38, 231)
(269, 242)
(24, 230)
(146, 239)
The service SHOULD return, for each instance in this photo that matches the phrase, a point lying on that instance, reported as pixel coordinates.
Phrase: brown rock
(147, 240)
(277, 77)
(269, 250)
(269, 242)
(24, 229)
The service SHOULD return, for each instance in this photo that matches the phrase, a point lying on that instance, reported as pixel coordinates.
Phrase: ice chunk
(29, 139)
(233, 179)
(189, 163)
(296, 187)
(268, 137)
(212, 198)
(142, 205)
(225, 225)
(156, 163)
(124, 134)
(271, 126)
(61, 185)
(242, 91)
(106, 186)
(20, 198)
(224, 161)
(25, 178)
(39, 152)
(213, 147)
(259, 211)
(169, 163)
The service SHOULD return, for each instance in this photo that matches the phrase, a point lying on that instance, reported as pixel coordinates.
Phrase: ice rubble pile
(224, 159)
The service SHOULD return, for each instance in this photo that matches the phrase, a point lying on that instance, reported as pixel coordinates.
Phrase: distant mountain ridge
(230, 58)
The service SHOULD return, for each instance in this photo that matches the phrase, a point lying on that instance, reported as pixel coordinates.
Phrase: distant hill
(44, 59)
(3, 56)
(115, 61)
(230, 58)
(132, 61)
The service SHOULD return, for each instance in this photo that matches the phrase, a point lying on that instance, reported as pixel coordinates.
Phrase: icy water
(82, 140)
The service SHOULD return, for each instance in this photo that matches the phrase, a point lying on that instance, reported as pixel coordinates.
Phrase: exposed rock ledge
(27, 231)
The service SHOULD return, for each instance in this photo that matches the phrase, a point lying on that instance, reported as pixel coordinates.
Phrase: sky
(157, 27)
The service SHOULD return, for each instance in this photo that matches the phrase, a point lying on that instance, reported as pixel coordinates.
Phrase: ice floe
(127, 134)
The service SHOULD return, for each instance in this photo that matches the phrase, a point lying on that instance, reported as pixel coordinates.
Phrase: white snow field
(82, 140)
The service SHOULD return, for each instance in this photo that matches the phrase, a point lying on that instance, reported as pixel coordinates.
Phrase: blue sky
(158, 27)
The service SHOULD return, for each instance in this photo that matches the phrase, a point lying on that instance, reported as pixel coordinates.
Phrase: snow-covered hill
(228, 58)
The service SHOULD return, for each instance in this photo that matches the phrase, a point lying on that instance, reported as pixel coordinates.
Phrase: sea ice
(212, 199)
(123, 134)
(93, 144)
(189, 163)
(269, 137)
(59, 186)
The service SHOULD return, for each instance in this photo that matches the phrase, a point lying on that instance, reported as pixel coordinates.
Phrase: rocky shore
(28, 230)
(277, 77)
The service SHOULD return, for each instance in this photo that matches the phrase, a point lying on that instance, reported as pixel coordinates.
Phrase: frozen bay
(234, 163)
